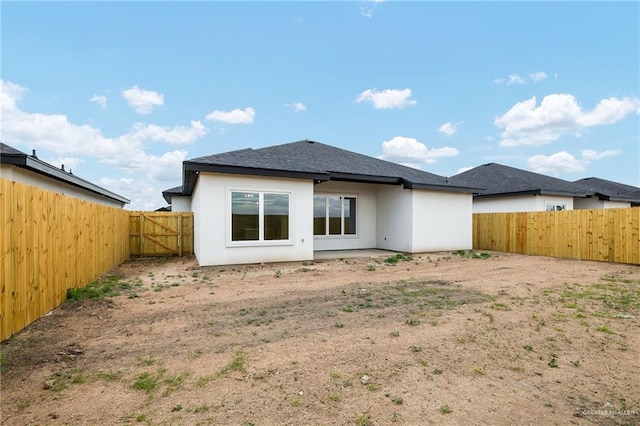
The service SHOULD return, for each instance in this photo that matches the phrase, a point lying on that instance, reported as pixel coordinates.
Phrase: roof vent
(62, 167)
(308, 141)
(33, 154)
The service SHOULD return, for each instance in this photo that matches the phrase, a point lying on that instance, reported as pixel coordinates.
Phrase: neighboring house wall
(365, 237)
(518, 203)
(180, 204)
(18, 174)
(543, 200)
(595, 203)
(616, 205)
(442, 221)
(211, 204)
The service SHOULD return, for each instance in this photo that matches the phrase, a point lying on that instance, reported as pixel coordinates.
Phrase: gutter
(46, 169)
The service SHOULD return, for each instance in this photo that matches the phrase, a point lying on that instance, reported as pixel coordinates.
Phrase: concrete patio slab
(342, 254)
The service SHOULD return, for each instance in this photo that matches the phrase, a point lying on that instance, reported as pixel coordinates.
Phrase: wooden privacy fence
(50, 243)
(610, 235)
(161, 233)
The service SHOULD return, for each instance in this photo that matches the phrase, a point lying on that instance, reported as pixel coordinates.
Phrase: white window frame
(554, 206)
(260, 242)
(326, 230)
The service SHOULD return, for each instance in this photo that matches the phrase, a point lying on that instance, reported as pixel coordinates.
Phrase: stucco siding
(518, 203)
(180, 204)
(211, 204)
(616, 205)
(17, 174)
(543, 200)
(394, 219)
(596, 203)
(441, 221)
(365, 217)
(196, 203)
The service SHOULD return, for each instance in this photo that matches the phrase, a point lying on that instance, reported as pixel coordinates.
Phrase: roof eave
(191, 171)
(533, 192)
(167, 194)
(46, 169)
(442, 188)
(623, 200)
(353, 177)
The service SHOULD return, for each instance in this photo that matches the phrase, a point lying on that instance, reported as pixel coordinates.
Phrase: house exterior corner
(214, 242)
(442, 221)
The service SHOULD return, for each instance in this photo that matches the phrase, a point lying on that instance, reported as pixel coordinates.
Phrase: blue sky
(122, 93)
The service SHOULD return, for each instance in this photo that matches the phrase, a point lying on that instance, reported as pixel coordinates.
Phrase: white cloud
(515, 78)
(144, 195)
(368, 7)
(609, 111)
(143, 101)
(463, 169)
(73, 145)
(177, 135)
(100, 100)
(560, 162)
(538, 76)
(167, 167)
(449, 129)
(55, 133)
(386, 99)
(70, 163)
(297, 107)
(236, 116)
(528, 123)
(563, 162)
(10, 94)
(410, 151)
(590, 154)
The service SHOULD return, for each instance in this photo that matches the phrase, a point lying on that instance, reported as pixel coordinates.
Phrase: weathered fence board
(609, 235)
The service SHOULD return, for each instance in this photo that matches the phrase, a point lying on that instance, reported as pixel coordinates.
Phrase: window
(259, 216)
(555, 206)
(334, 215)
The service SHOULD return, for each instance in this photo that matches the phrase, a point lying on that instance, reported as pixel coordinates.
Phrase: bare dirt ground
(437, 339)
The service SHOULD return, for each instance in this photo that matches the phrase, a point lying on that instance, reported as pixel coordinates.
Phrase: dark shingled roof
(498, 180)
(10, 155)
(313, 160)
(168, 193)
(10, 151)
(609, 190)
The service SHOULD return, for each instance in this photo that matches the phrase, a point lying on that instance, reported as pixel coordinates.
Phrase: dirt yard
(439, 338)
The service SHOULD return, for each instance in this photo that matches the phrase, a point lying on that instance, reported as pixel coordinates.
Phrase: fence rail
(161, 233)
(50, 243)
(609, 235)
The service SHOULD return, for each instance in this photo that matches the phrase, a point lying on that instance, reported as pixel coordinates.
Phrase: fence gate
(161, 233)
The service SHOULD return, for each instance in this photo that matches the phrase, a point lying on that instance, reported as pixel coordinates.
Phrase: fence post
(180, 235)
(141, 223)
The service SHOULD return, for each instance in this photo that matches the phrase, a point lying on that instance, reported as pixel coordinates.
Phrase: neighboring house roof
(609, 190)
(10, 155)
(168, 193)
(500, 180)
(313, 160)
